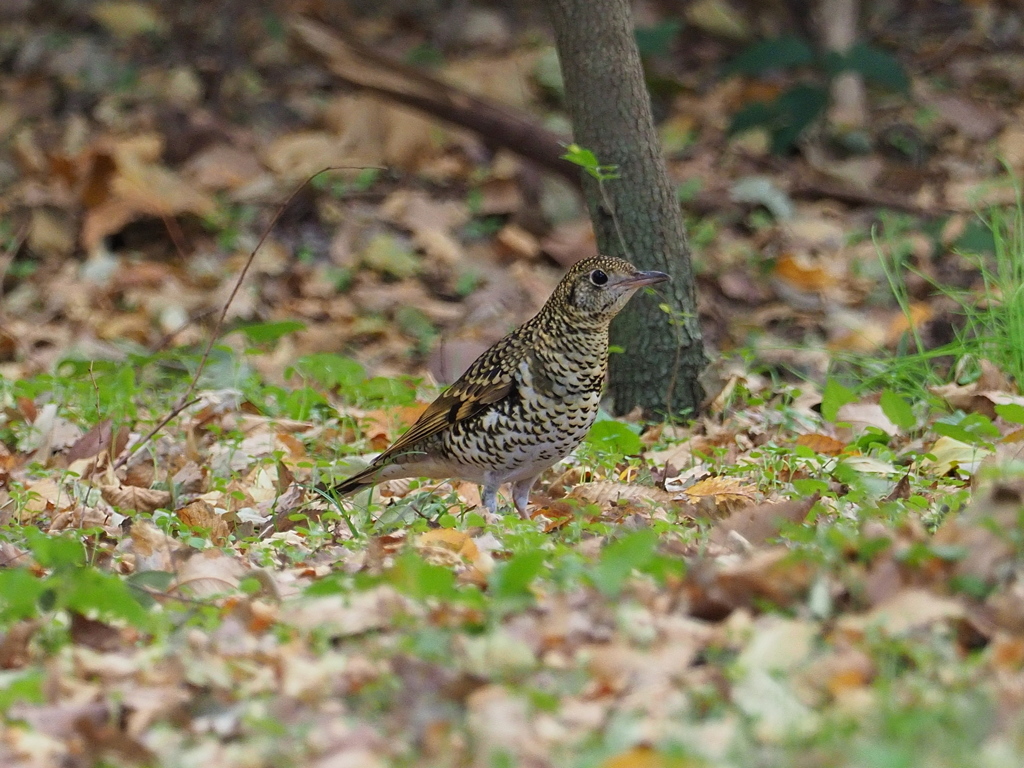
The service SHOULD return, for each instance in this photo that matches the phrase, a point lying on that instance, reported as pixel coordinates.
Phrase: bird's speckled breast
(552, 407)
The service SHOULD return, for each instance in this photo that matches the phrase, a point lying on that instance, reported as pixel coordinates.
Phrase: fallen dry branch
(360, 67)
(879, 198)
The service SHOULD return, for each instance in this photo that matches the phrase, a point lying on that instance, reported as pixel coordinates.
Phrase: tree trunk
(611, 116)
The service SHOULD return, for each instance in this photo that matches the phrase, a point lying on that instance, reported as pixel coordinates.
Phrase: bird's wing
(489, 379)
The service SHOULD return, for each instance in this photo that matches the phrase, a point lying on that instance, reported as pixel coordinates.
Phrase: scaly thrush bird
(526, 402)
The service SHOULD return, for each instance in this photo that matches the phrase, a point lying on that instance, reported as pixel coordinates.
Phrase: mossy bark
(611, 115)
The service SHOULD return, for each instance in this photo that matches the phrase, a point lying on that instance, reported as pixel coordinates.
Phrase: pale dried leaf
(905, 612)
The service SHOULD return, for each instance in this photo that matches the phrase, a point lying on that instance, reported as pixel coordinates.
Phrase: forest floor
(822, 569)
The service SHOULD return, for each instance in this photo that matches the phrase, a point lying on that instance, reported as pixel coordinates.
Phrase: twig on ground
(186, 399)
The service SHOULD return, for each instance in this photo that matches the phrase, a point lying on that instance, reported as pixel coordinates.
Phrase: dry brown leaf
(153, 549)
(726, 494)
(51, 234)
(222, 166)
(978, 530)
(99, 440)
(991, 388)
(133, 498)
(94, 634)
(190, 478)
(975, 120)
(207, 573)
(517, 242)
(133, 185)
(418, 212)
(14, 643)
(348, 615)
(840, 671)
(439, 246)
(500, 197)
(297, 156)
(755, 525)
(570, 242)
(202, 516)
(49, 433)
(775, 575)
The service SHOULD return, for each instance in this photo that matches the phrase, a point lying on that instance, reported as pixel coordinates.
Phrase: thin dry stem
(186, 399)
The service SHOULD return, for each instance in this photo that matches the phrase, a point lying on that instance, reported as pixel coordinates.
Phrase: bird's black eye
(597, 277)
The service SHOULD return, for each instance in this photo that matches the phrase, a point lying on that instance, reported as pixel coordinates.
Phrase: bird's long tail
(358, 481)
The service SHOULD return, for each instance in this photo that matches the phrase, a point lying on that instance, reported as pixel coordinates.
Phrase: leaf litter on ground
(779, 579)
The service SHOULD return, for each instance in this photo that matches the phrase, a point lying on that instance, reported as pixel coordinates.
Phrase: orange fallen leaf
(647, 757)
(1007, 652)
(920, 313)
(803, 273)
(826, 445)
(458, 542)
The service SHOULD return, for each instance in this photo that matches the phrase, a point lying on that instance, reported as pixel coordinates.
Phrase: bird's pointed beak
(640, 279)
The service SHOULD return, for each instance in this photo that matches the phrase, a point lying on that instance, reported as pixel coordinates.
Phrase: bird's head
(594, 290)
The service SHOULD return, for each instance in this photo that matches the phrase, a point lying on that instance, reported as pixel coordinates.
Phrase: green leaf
(20, 591)
(330, 370)
(57, 552)
(981, 425)
(809, 486)
(383, 391)
(301, 402)
(795, 110)
(877, 66)
(267, 333)
(587, 160)
(833, 397)
(581, 156)
(620, 558)
(954, 431)
(615, 437)
(332, 584)
(512, 579)
(897, 410)
(766, 55)
(971, 428)
(977, 237)
(1011, 412)
(108, 595)
(158, 581)
(415, 577)
(21, 686)
(754, 115)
